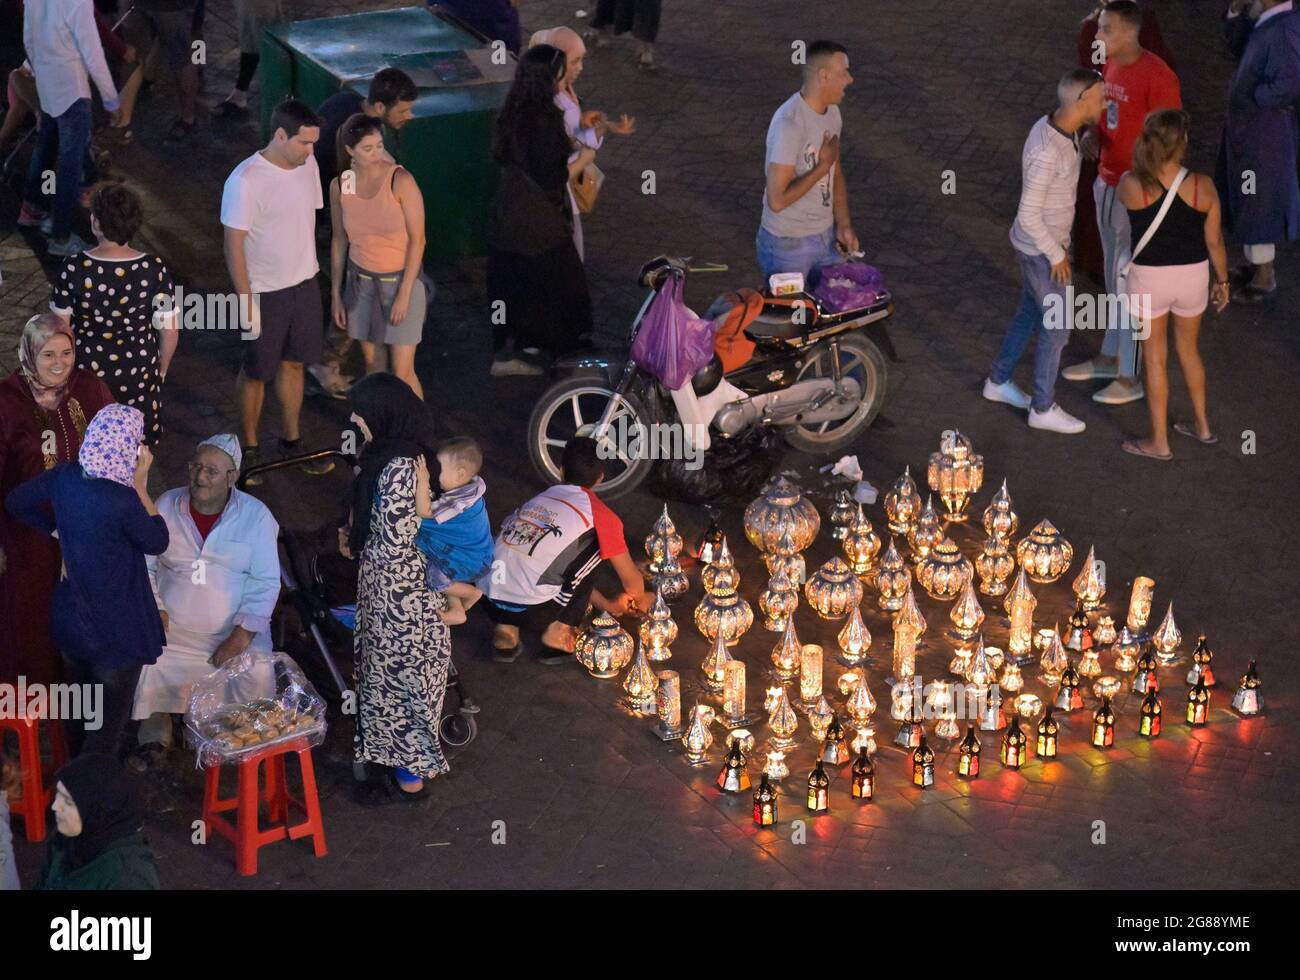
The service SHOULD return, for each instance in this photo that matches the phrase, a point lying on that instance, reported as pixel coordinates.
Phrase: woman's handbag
(586, 187)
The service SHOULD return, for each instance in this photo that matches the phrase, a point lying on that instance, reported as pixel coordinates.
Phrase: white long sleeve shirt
(65, 53)
(1050, 178)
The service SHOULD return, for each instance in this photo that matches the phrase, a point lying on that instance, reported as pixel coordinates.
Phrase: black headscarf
(400, 424)
(108, 800)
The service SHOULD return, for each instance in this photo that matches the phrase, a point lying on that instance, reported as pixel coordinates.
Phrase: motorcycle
(818, 376)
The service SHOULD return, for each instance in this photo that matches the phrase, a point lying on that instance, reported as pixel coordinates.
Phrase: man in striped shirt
(1041, 236)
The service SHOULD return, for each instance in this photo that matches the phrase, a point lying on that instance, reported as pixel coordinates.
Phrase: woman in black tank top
(1169, 274)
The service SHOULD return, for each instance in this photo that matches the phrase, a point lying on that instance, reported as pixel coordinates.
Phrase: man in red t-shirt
(1137, 82)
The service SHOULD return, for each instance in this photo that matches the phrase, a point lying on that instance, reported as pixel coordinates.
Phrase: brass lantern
(1019, 604)
(1248, 701)
(1048, 730)
(778, 601)
(663, 541)
(699, 735)
(780, 508)
(833, 590)
(641, 684)
(863, 786)
(1107, 686)
(1013, 744)
(893, 579)
(1103, 726)
(709, 542)
(903, 504)
(765, 803)
(956, 474)
(604, 647)
(1028, 705)
(721, 573)
(1012, 679)
(723, 612)
(1090, 585)
(1146, 678)
(787, 654)
(820, 714)
(810, 674)
(927, 533)
(1044, 554)
(967, 614)
(1069, 696)
(1139, 605)
(860, 704)
(1079, 635)
(658, 631)
(944, 571)
(733, 694)
(775, 767)
(1149, 716)
(999, 517)
(1104, 634)
(908, 626)
(715, 665)
(943, 705)
(834, 750)
(1167, 639)
(995, 564)
(1198, 704)
(861, 544)
(1202, 658)
(670, 581)
(854, 640)
(923, 765)
(1054, 660)
(968, 761)
(841, 515)
(1090, 663)
(1126, 651)
(668, 704)
(783, 722)
(734, 777)
(980, 672)
(819, 790)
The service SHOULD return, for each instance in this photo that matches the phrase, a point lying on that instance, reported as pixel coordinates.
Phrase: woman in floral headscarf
(104, 619)
(44, 408)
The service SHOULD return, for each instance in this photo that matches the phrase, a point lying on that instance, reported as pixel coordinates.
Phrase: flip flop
(1131, 446)
(1189, 430)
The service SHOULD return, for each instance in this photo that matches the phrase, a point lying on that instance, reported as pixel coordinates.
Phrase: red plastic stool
(246, 832)
(37, 797)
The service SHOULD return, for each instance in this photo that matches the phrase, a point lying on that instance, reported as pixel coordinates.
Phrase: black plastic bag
(733, 469)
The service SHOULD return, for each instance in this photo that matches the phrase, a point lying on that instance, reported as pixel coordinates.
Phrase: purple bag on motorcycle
(672, 343)
(848, 286)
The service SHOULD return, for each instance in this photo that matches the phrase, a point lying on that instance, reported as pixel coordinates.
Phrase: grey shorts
(368, 300)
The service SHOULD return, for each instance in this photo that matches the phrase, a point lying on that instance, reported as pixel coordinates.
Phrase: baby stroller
(315, 616)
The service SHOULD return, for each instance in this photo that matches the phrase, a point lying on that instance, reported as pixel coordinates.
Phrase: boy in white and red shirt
(541, 577)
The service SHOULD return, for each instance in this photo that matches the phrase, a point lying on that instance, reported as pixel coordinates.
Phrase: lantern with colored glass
(1202, 658)
(1048, 728)
(967, 614)
(927, 532)
(861, 545)
(892, 579)
(819, 790)
(1248, 700)
(604, 647)
(658, 630)
(715, 665)
(663, 542)
(785, 557)
(863, 785)
(1167, 639)
(1090, 584)
(780, 509)
(778, 601)
(1054, 660)
(995, 564)
(903, 504)
(956, 474)
(992, 718)
(911, 732)
(783, 722)
(709, 543)
(1044, 553)
(854, 640)
(943, 706)
(641, 684)
(1079, 635)
(670, 581)
(699, 735)
(833, 590)
(1020, 603)
(1103, 726)
(841, 515)
(734, 777)
(1149, 716)
(1198, 704)
(1126, 651)
(1013, 744)
(721, 573)
(923, 765)
(1104, 634)
(999, 518)
(810, 674)
(1146, 678)
(968, 761)
(834, 750)
(787, 654)
(1069, 696)
(1139, 605)
(765, 803)
(723, 613)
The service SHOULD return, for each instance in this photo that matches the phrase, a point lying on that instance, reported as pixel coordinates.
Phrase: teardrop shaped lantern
(903, 504)
(841, 515)
(861, 544)
(892, 579)
(926, 534)
(999, 517)
(658, 631)
(854, 640)
(786, 654)
(663, 542)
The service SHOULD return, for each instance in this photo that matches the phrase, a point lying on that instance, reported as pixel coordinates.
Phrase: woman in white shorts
(1171, 278)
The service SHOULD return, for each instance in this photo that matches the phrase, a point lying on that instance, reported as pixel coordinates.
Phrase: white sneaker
(1056, 419)
(1093, 369)
(515, 367)
(1120, 393)
(1008, 393)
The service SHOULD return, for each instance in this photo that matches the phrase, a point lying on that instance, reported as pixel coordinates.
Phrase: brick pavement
(589, 797)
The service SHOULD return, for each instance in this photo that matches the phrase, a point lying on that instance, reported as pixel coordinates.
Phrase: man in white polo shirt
(268, 209)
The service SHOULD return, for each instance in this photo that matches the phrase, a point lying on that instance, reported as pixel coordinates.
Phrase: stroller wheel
(458, 730)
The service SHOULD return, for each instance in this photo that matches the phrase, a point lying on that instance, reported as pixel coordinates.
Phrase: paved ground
(589, 797)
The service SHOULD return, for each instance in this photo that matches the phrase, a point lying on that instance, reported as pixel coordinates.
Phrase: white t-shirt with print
(794, 139)
(277, 207)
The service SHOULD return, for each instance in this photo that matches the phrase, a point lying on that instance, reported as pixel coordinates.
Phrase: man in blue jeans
(806, 203)
(63, 46)
(1041, 236)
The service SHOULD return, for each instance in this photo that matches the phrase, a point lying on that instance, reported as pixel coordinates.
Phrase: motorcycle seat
(783, 318)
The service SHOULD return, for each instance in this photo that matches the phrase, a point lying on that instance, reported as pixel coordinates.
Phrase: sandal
(385, 791)
(1132, 446)
(508, 655)
(552, 656)
(1189, 430)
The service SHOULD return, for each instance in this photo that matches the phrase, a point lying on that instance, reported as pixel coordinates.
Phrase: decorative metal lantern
(1104, 634)
(668, 704)
(901, 699)
(854, 640)
(1020, 603)
(861, 544)
(1202, 658)
(1054, 660)
(1013, 745)
(1107, 687)
(967, 614)
(834, 750)
(903, 504)
(980, 671)
(1149, 716)
(1048, 729)
(785, 557)
(833, 590)
(942, 707)
(699, 735)
(779, 601)
(861, 705)
(733, 694)
(742, 737)
(723, 612)
(1139, 605)
(775, 767)
(787, 654)
(810, 674)
(670, 581)
(820, 714)
(923, 765)
(999, 517)
(819, 790)
(709, 542)
(663, 542)
(781, 508)
(1028, 706)
(721, 573)
(1044, 554)
(1090, 584)
(783, 722)
(1146, 678)
(1248, 700)
(906, 633)
(1103, 726)
(893, 579)
(961, 660)
(715, 665)
(864, 739)
(765, 803)
(734, 777)
(1079, 635)
(996, 656)
(968, 760)
(658, 631)
(841, 514)
(604, 647)
(995, 564)
(1090, 663)
(911, 732)
(927, 532)
(944, 571)
(1167, 639)
(1069, 696)
(641, 684)
(991, 716)
(1012, 679)
(1198, 704)
(956, 474)
(1126, 651)
(863, 785)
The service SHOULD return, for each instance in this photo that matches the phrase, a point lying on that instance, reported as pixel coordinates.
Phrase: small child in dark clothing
(455, 534)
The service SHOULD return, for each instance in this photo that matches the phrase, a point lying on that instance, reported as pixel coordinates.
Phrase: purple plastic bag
(848, 286)
(672, 344)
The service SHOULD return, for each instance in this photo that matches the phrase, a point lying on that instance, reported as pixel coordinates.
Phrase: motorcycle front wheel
(572, 407)
(861, 360)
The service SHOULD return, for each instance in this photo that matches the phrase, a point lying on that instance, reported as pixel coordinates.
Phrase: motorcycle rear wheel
(862, 360)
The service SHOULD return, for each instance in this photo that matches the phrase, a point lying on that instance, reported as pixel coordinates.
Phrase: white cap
(228, 444)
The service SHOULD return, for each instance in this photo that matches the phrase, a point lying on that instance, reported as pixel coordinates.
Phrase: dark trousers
(641, 17)
(535, 619)
(115, 692)
(64, 140)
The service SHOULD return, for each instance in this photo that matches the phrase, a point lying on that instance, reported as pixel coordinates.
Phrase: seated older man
(216, 583)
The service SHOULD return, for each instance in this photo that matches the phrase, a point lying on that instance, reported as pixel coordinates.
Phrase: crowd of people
(97, 582)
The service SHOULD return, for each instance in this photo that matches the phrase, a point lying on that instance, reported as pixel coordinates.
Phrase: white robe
(207, 588)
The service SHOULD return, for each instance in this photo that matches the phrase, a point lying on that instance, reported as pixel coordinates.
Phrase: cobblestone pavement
(588, 795)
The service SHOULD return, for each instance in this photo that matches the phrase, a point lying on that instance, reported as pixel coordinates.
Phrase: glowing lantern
(723, 613)
(863, 786)
(1149, 716)
(943, 707)
(778, 601)
(980, 670)
(734, 777)
(775, 767)
(819, 790)
(944, 571)
(1202, 658)
(820, 715)
(1028, 706)
(911, 732)
(833, 590)
(765, 803)
(709, 543)
(854, 640)
(841, 515)
(1069, 696)
(968, 761)
(861, 705)
(834, 750)
(1248, 700)
(1107, 687)
(787, 654)
(668, 704)
(1103, 726)
(995, 565)
(785, 557)
(670, 581)
(780, 510)
(1048, 730)
(1167, 639)
(923, 765)
(999, 517)
(604, 647)
(1044, 554)
(1146, 679)
(1126, 651)
(1090, 663)
(1139, 605)
(1090, 584)
(742, 737)
(903, 504)
(1079, 635)
(1020, 603)
(1104, 634)
(1054, 660)
(904, 658)
(1013, 745)
(893, 579)
(991, 717)
(658, 631)
(955, 473)
(783, 722)
(1012, 679)
(733, 694)
(961, 660)
(699, 735)
(641, 684)
(861, 545)
(1198, 704)
(966, 613)
(810, 673)
(663, 541)
(721, 573)
(715, 665)
(927, 533)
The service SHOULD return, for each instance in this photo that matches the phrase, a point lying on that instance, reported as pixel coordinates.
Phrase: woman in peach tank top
(377, 213)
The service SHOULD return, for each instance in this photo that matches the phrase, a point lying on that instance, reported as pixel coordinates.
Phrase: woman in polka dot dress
(120, 303)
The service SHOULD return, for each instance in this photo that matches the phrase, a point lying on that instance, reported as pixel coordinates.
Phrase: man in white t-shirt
(268, 209)
(805, 203)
